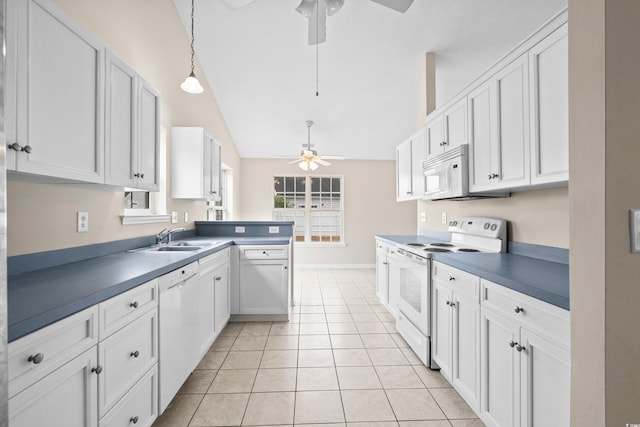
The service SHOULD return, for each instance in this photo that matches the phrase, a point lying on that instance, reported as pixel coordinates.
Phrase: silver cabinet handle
(97, 369)
(134, 420)
(134, 304)
(520, 348)
(17, 147)
(452, 279)
(135, 354)
(36, 358)
(512, 344)
(218, 278)
(518, 309)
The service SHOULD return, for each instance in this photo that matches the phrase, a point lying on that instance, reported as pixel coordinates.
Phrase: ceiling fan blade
(334, 157)
(235, 4)
(321, 162)
(295, 161)
(397, 5)
(318, 24)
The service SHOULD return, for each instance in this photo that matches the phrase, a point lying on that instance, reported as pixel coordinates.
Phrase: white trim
(334, 266)
(144, 219)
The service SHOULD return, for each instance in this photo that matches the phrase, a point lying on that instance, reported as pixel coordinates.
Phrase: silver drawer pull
(36, 358)
(218, 278)
(134, 420)
(518, 309)
(97, 369)
(135, 353)
(520, 348)
(512, 344)
(452, 279)
(134, 304)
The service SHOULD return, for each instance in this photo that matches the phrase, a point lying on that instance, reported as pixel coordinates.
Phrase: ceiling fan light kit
(191, 83)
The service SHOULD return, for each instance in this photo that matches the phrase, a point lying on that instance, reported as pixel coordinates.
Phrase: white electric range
(410, 275)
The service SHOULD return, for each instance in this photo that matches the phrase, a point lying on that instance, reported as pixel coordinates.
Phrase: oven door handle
(407, 259)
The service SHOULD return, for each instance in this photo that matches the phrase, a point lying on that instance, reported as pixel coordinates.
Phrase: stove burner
(467, 250)
(437, 250)
(443, 245)
(416, 244)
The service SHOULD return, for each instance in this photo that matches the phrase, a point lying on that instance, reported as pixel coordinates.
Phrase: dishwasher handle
(182, 281)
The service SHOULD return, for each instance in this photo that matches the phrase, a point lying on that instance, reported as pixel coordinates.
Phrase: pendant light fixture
(191, 83)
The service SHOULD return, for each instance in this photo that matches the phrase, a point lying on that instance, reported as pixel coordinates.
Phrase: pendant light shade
(306, 8)
(191, 83)
(306, 165)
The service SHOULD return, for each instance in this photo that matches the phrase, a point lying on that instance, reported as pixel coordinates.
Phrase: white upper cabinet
(409, 176)
(55, 72)
(132, 125)
(448, 129)
(498, 124)
(549, 86)
(195, 164)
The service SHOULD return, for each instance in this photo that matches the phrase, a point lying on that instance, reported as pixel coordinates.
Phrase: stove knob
(493, 227)
(486, 226)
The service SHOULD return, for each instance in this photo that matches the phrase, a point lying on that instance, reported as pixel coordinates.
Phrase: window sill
(320, 244)
(144, 219)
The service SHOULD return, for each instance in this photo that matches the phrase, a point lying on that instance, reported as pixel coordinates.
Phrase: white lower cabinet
(67, 397)
(63, 375)
(382, 272)
(525, 360)
(213, 297)
(455, 319)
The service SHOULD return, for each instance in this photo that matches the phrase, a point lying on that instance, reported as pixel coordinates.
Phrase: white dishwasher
(178, 330)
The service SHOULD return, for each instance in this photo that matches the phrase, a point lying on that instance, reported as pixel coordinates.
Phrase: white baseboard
(334, 266)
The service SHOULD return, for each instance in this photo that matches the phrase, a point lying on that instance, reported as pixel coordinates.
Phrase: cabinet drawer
(139, 406)
(50, 347)
(214, 261)
(412, 335)
(124, 308)
(537, 315)
(264, 252)
(460, 281)
(125, 357)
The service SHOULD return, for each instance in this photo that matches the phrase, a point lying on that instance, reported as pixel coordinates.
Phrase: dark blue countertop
(41, 297)
(539, 278)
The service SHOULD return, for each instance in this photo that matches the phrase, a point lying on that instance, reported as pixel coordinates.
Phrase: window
(314, 204)
(220, 210)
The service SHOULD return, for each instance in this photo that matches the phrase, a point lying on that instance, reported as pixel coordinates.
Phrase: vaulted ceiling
(263, 72)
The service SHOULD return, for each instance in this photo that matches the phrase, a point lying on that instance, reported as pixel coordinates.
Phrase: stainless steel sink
(174, 248)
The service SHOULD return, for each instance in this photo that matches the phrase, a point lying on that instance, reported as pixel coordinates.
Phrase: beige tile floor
(338, 362)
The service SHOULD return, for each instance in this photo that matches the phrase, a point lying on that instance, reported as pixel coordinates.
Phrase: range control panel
(478, 226)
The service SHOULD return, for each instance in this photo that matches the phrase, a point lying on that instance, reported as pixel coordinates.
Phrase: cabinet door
(435, 135)
(499, 370)
(207, 306)
(418, 155)
(216, 171)
(549, 77)
(545, 380)
(222, 297)
(264, 287)
(512, 148)
(442, 333)
(466, 348)
(60, 89)
(455, 124)
(148, 137)
(482, 129)
(120, 122)
(212, 168)
(67, 397)
(403, 171)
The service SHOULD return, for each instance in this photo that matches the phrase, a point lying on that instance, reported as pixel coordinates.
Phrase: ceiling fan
(309, 159)
(316, 11)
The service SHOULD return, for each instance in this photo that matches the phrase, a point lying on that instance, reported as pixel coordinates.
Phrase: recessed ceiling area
(263, 72)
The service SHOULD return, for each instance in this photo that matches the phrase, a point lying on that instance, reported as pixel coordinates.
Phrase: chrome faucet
(167, 233)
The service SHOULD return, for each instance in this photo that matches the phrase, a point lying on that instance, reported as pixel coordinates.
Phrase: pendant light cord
(192, 37)
(317, 44)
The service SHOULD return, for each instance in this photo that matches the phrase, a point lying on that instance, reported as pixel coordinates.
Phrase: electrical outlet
(423, 217)
(444, 218)
(174, 217)
(239, 229)
(186, 217)
(274, 229)
(83, 222)
(634, 229)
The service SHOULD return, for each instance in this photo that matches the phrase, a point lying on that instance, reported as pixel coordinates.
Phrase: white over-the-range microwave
(446, 176)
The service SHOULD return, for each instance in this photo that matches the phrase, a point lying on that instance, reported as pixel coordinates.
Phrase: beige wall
(370, 206)
(538, 216)
(149, 36)
(604, 66)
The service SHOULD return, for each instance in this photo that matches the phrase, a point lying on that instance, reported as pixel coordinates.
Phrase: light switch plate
(444, 217)
(634, 229)
(186, 217)
(83, 222)
(174, 217)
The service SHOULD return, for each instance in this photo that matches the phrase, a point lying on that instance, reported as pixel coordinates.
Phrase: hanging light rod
(191, 83)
